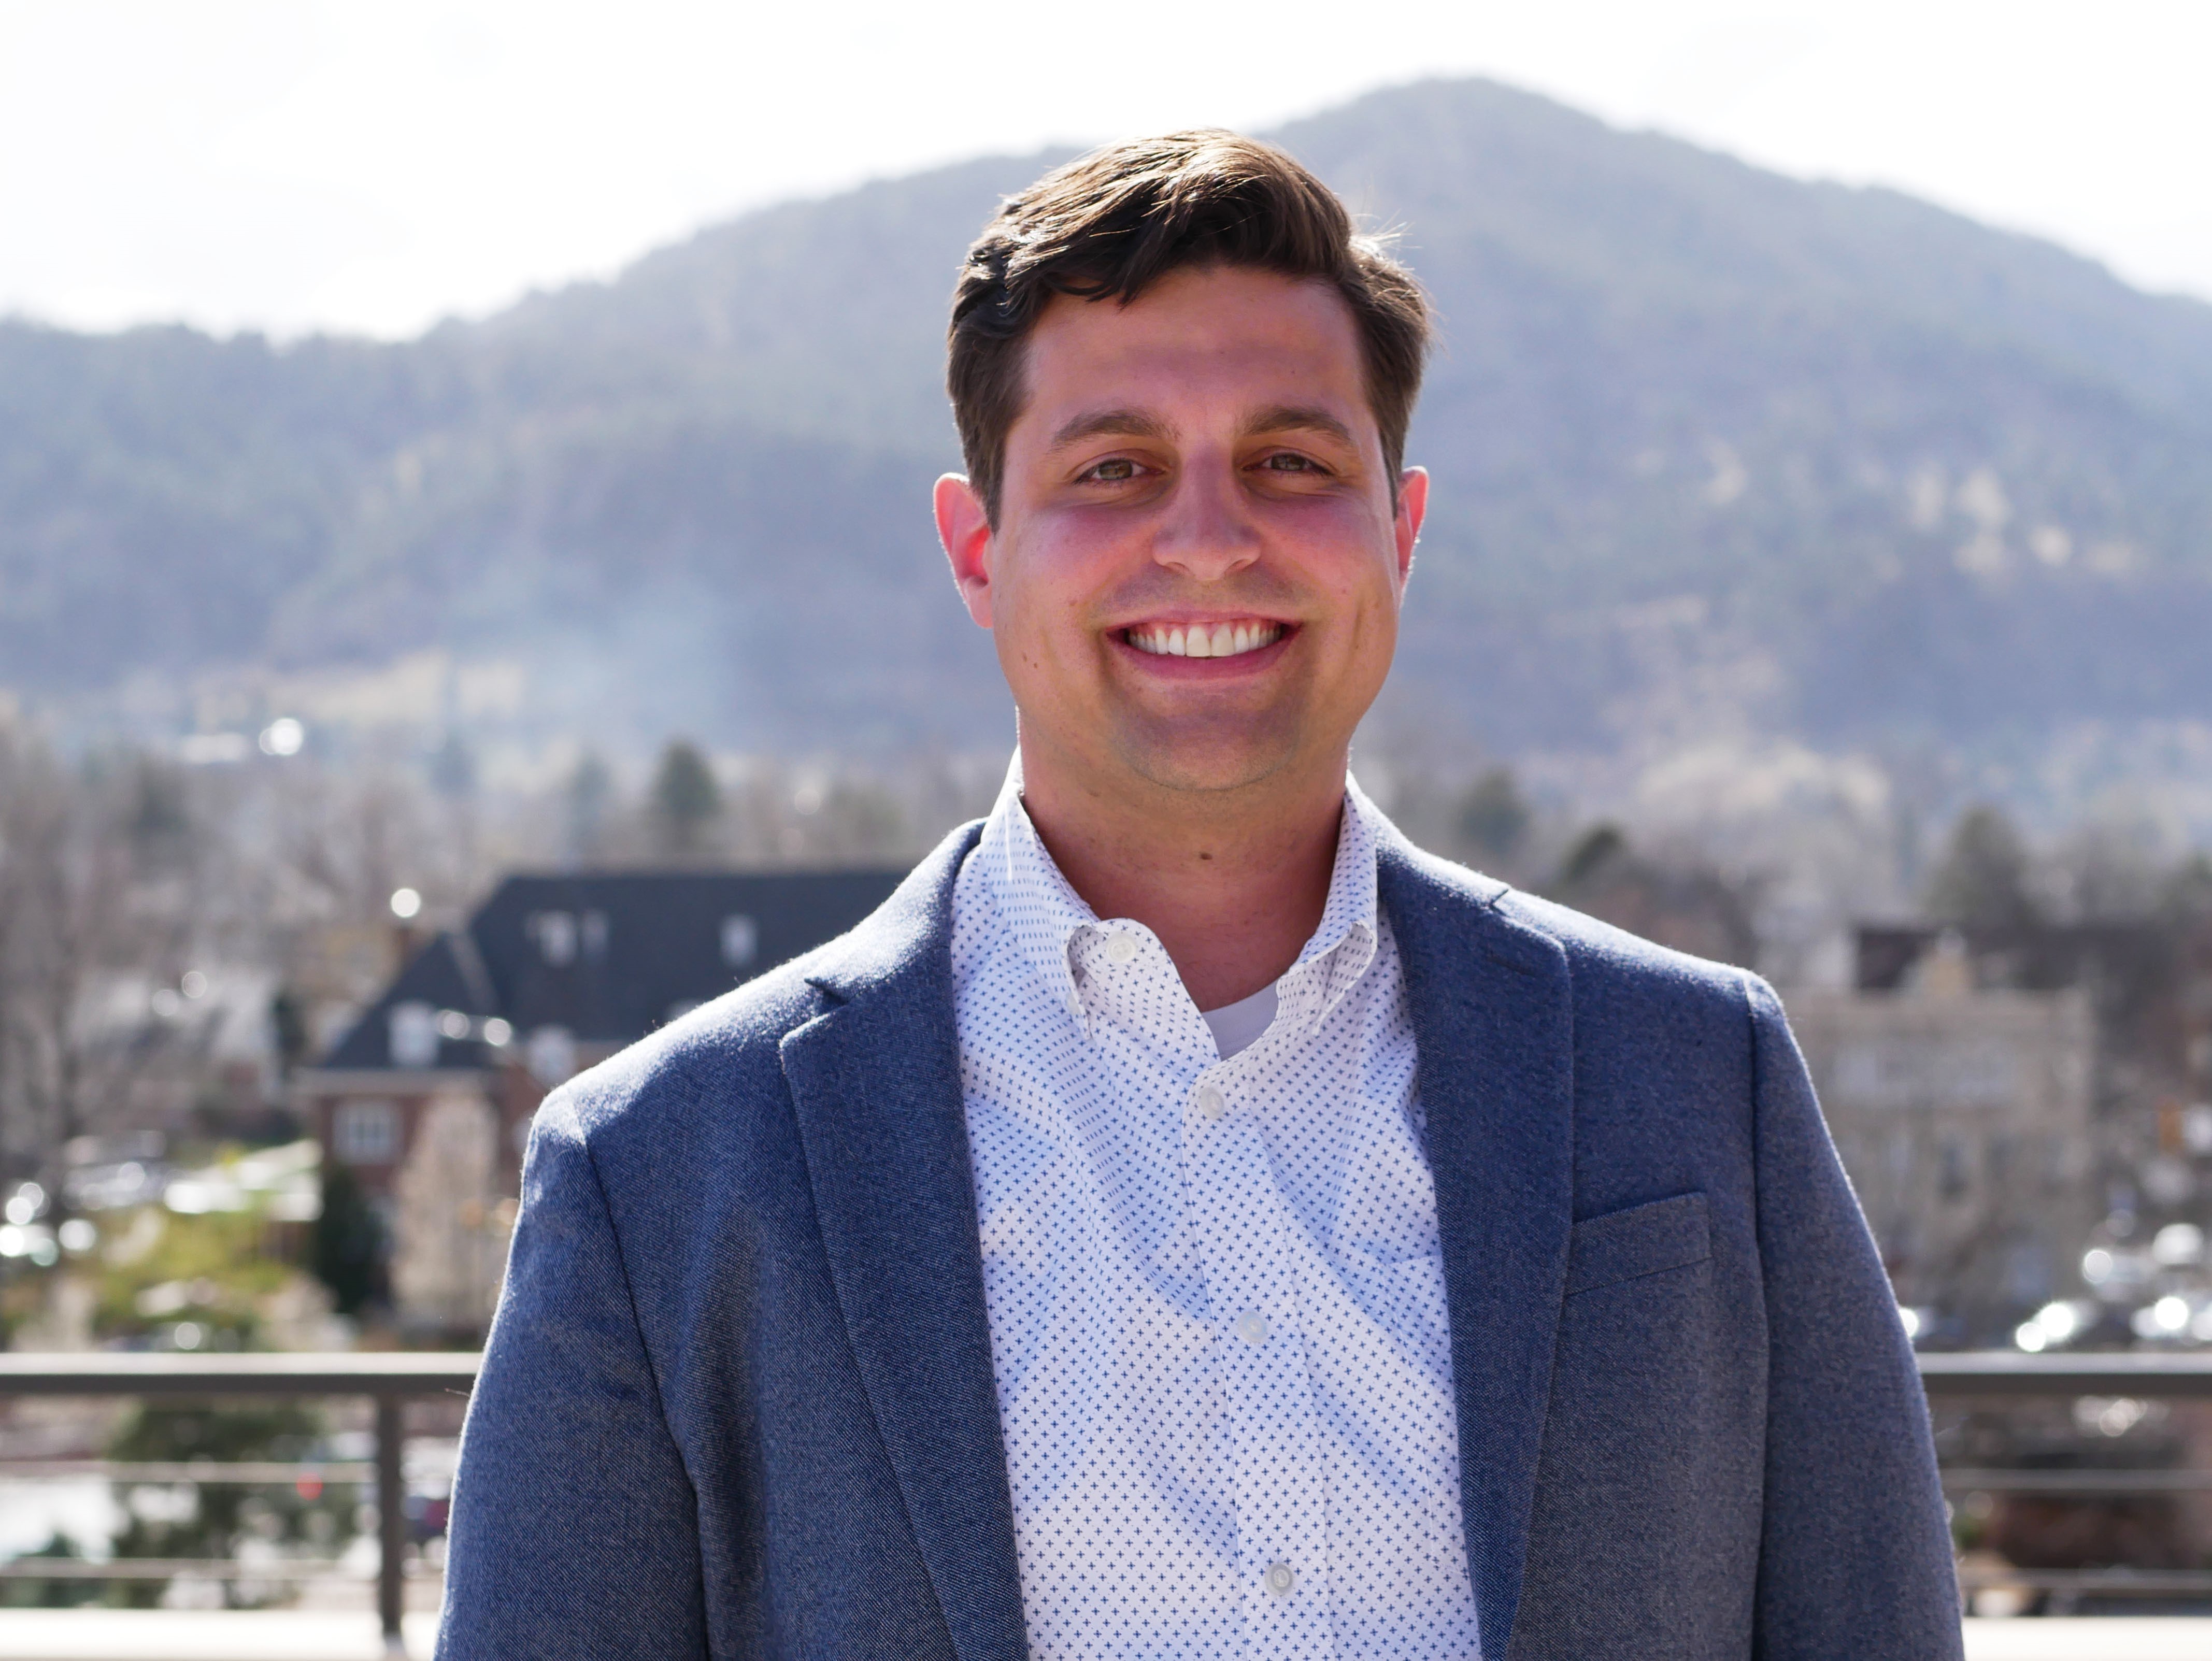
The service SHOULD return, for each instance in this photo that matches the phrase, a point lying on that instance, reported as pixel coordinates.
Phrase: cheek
(1083, 551)
(1357, 573)
(1058, 582)
(1041, 627)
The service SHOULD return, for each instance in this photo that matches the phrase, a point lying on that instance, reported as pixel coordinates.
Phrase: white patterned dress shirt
(1216, 1299)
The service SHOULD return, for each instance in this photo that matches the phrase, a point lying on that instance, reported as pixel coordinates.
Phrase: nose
(1207, 531)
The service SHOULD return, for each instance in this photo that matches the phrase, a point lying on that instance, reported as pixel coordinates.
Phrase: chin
(1208, 760)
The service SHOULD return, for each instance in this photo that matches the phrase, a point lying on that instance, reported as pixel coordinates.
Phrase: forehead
(1213, 334)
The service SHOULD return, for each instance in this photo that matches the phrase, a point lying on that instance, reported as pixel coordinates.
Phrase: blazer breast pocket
(1644, 1240)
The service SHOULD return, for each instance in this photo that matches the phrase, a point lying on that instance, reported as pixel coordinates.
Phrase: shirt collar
(1035, 903)
(1045, 915)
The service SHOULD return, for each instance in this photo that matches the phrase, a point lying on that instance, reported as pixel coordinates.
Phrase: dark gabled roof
(609, 957)
(447, 973)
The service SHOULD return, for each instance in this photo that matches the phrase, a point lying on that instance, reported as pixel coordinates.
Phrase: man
(1188, 1221)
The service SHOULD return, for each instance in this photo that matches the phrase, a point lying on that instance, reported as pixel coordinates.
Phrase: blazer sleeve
(1855, 1558)
(572, 1531)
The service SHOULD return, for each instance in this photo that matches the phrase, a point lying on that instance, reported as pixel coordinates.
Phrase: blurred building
(428, 1099)
(2037, 1092)
(2148, 982)
(1999, 1040)
(1965, 1118)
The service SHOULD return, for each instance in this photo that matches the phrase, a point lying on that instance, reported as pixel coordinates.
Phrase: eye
(1118, 470)
(1285, 461)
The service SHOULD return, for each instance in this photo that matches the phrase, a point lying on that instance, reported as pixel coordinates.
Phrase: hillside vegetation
(1715, 450)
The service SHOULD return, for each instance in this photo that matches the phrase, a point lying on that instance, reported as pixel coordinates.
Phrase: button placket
(1280, 1479)
(1282, 1498)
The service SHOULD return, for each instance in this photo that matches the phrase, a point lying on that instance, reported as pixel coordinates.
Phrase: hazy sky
(302, 164)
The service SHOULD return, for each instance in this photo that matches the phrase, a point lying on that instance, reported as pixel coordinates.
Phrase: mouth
(1232, 638)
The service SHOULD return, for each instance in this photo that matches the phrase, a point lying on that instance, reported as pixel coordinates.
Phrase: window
(366, 1132)
(1956, 1176)
(740, 941)
(556, 934)
(414, 1035)
(551, 1055)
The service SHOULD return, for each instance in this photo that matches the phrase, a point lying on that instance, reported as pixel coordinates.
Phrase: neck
(1232, 882)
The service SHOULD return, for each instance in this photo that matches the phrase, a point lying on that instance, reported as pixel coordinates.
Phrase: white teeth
(1203, 641)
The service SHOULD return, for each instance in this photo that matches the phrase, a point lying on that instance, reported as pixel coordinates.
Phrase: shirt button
(1252, 1328)
(1121, 945)
(1212, 1102)
(1280, 1579)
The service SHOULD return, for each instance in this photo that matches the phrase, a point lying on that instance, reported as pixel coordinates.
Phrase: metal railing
(2093, 1372)
(386, 1379)
(2142, 1376)
(389, 1380)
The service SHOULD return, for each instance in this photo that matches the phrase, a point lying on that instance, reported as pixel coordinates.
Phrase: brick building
(428, 1098)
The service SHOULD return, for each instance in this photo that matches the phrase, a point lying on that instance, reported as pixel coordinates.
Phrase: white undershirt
(1237, 1025)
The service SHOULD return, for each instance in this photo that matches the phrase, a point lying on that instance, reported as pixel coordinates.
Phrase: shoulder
(717, 1049)
(726, 1056)
(1448, 909)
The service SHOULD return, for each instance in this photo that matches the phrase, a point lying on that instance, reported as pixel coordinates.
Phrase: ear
(1413, 508)
(965, 530)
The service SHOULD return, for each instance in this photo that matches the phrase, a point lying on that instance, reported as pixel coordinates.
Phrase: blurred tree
(453, 767)
(1494, 818)
(2186, 893)
(214, 1271)
(685, 802)
(304, 1518)
(287, 1028)
(588, 797)
(1683, 902)
(348, 1253)
(121, 871)
(858, 820)
(24, 1594)
(1594, 851)
(2113, 867)
(159, 816)
(1982, 881)
(72, 903)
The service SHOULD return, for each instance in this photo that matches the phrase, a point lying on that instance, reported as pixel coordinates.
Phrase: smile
(1228, 639)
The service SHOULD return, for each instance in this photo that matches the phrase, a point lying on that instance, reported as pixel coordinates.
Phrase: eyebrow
(1119, 423)
(1134, 424)
(1298, 417)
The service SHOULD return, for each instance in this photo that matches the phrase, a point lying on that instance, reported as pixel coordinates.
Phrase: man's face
(1197, 568)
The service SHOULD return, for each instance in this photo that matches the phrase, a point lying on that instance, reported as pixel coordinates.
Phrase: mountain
(1715, 450)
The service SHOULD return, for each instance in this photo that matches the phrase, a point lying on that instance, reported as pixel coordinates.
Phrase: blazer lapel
(876, 1083)
(1494, 1023)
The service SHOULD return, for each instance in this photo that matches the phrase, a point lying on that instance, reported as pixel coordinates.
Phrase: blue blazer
(737, 1398)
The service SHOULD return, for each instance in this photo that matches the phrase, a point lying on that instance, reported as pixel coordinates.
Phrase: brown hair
(1110, 224)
